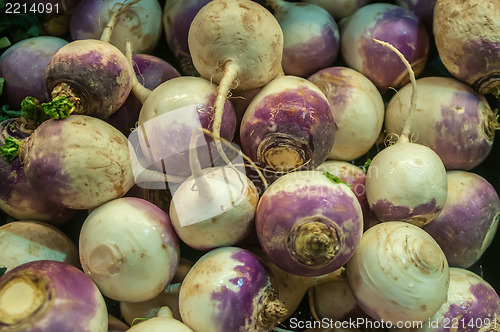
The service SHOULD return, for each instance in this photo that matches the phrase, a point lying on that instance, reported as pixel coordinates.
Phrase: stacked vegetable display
(263, 166)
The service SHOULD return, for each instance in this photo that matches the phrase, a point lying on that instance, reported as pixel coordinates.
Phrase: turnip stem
(413, 107)
(140, 91)
(108, 29)
(202, 185)
(277, 5)
(20, 297)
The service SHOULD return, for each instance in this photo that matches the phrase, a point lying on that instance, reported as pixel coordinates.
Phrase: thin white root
(407, 126)
(312, 307)
(140, 91)
(195, 166)
(108, 29)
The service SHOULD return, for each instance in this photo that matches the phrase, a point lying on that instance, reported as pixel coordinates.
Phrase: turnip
(140, 23)
(23, 65)
(340, 8)
(357, 107)
(237, 44)
(91, 76)
(288, 125)
(451, 118)
(50, 296)
(25, 241)
(423, 9)
(355, 177)
(17, 197)
(469, 220)
(229, 289)
(472, 305)
(466, 34)
(398, 273)
(162, 322)
(177, 17)
(406, 181)
(310, 35)
(80, 162)
(393, 24)
(309, 223)
(129, 249)
(55, 16)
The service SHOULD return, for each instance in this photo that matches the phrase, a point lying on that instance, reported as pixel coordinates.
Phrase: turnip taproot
(468, 43)
(229, 289)
(310, 35)
(127, 240)
(237, 44)
(357, 107)
(406, 181)
(48, 295)
(308, 223)
(288, 125)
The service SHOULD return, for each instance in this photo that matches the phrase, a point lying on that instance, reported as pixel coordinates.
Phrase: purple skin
(151, 71)
(17, 198)
(462, 144)
(306, 57)
(469, 219)
(300, 114)
(177, 18)
(99, 76)
(73, 299)
(477, 62)
(23, 67)
(390, 212)
(423, 9)
(279, 213)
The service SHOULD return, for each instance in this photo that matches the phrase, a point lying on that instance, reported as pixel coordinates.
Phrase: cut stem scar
(140, 91)
(413, 107)
(108, 29)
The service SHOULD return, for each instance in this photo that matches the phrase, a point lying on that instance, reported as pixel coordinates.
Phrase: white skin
(162, 322)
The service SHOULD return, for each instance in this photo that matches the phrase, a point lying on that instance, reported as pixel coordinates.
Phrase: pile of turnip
(250, 166)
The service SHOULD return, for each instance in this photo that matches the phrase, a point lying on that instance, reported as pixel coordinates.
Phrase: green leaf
(334, 178)
(366, 165)
(59, 108)
(31, 108)
(2, 270)
(7, 113)
(10, 150)
(4, 42)
(137, 319)
(2, 80)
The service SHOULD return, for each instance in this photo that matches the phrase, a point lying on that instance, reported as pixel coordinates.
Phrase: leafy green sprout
(10, 150)
(366, 165)
(334, 178)
(137, 320)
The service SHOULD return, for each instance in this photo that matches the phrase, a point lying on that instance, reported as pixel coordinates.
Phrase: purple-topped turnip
(288, 125)
(390, 23)
(406, 181)
(79, 162)
(150, 71)
(466, 34)
(316, 46)
(451, 118)
(229, 289)
(23, 67)
(423, 9)
(352, 97)
(472, 305)
(26, 241)
(140, 23)
(398, 273)
(309, 223)
(17, 197)
(339, 8)
(469, 220)
(129, 248)
(355, 177)
(177, 17)
(237, 44)
(50, 296)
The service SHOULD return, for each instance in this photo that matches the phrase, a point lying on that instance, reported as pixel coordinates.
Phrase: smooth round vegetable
(23, 65)
(467, 40)
(288, 125)
(389, 23)
(129, 249)
(308, 223)
(423, 9)
(80, 162)
(50, 296)
(469, 220)
(451, 118)
(163, 321)
(398, 273)
(25, 241)
(229, 289)
(357, 107)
